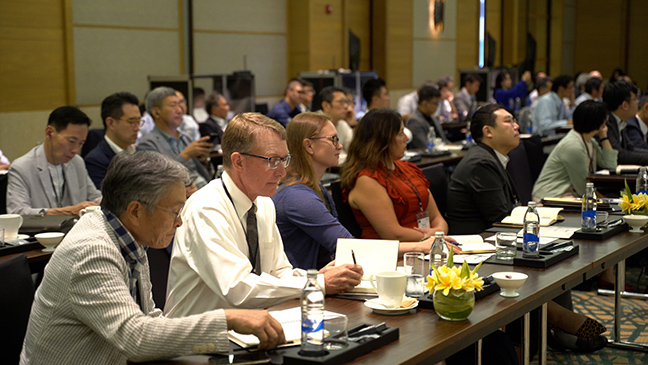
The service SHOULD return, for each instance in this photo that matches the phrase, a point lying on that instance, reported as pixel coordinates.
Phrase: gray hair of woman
(143, 176)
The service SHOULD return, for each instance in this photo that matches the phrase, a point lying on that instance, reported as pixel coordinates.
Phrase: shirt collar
(220, 121)
(132, 252)
(241, 202)
(503, 159)
(113, 146)
(620, 123)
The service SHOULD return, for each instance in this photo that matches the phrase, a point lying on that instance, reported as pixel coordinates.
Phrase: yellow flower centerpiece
(454, 289)
(633, 203)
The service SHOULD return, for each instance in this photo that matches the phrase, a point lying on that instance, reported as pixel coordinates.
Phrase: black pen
(374, 328)
(353, 257)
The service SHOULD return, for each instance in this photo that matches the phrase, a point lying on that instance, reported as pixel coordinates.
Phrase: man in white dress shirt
(95, 305)
(228, 256)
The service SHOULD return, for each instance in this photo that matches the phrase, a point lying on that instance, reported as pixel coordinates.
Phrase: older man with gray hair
(164, 106)
(230, 253)
(95, 303)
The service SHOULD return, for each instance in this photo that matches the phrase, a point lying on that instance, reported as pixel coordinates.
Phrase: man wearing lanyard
(52, 177)
(164, 106)
(229, 252)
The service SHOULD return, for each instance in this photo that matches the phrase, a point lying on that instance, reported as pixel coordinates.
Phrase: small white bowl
(49, 240)
(636, 222)
(510, 282)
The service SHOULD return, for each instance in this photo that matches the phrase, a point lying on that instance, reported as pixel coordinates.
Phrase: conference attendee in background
(577, 155)
(408, 103)
(214, 126)
(229, 252)
(621, 100)
(422, 120)
(199, 112)
(533, 95)
(95, 303)
(122, 120)
(164, 106)
(309, 94)
(306, 215)
(637, 126)
(51, 177)
(385, 193)
(289, 106)
(481, 191)
(375, 93)
(447, 111)
(593, 90)
(337, 105)
(551, 112)
(543, 86)
(4, 162)
(509, 96)
(465, 100)
(189, 125)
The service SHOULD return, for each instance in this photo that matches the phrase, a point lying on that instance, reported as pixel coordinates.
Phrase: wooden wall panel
(600, 35)
(327, 35)
(637, 48)
(493, 26)
(298, 36)
(357, 18)
(398, 41)
(32, 55)
(467, 34)
(537, 19)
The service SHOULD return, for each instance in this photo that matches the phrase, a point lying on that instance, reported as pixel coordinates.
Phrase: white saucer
(378, 308)
(637, 230)
(17, 238)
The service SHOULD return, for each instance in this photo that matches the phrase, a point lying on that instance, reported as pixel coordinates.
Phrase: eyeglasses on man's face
(334, 139)
(273, 162)
(176, 214)
(134, 122)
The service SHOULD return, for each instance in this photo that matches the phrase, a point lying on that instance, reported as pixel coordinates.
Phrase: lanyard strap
(59, 200)
(411, 185)
(590, 160)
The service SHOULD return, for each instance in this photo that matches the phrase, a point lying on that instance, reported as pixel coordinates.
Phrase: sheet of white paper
(373, 255)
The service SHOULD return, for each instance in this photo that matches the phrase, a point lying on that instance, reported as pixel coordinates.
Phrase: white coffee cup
(11, 224)
(390, 286)
(89, 209)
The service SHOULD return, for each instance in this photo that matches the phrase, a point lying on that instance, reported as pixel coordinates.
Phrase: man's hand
(259, 323)
(197, 148)
(526, 77)
(603, 131)
(338, 279)
(71, 209)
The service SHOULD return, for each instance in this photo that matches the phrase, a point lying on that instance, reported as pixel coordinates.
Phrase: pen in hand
(353, 257)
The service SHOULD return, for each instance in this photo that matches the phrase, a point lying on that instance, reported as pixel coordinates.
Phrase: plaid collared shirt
(133, 253)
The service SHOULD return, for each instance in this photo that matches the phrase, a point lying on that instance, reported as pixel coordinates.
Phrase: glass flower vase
(456, 306)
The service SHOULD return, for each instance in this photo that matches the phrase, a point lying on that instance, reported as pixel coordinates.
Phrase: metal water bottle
(588, 213)
(312, 317)
(438, 251)
(531, 232)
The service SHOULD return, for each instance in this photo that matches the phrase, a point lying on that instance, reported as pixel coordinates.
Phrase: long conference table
(426, 337)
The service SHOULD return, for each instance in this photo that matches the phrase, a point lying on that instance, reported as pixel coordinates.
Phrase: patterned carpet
(633, 328)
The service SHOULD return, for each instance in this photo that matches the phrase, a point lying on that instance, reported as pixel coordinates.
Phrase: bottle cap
(589, 185)
(439, 234)
(532, 204)
(311, 272)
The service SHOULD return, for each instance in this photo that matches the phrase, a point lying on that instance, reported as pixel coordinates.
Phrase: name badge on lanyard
(423, 220)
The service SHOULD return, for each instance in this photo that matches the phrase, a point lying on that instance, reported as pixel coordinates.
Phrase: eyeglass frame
(141, 122)
(334, 139)
(286, 160)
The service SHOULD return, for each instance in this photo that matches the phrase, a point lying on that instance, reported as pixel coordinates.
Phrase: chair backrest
(518, 168)
(94, 137)
(159, 260)
(3, 193)
(438, 179)
(16, 297)
(524, 119)
(345, 214)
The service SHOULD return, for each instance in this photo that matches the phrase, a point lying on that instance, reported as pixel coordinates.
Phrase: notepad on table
(473, 243)
(548, 216)
(373, 255)
(290, 320)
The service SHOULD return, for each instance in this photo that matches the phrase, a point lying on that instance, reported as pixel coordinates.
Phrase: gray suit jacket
(30, 186)
(464, 105)
(83, 312)
(156, 141)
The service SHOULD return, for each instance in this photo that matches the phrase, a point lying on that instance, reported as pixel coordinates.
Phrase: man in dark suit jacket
(420, 122)
(465, 100)
(637, 126)
(621, 100)
(122, 120)
(481, 191)
(217, 107)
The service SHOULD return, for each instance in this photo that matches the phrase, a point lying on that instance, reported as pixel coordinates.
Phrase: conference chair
(16, 297)
(94, 137)
(345, 214)
(436, 175)
(525, 165)
(159, 261)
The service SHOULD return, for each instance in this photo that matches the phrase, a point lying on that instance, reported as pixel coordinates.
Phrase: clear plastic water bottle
(588, 212)
(430, 139)
(312, 310)
(642, 180)
(438, 251)
(531, 232)
(469, 139)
